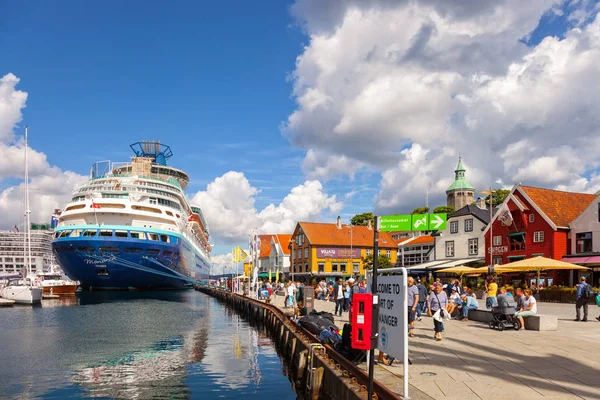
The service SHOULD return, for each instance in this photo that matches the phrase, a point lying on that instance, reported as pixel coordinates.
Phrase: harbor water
(136, 345)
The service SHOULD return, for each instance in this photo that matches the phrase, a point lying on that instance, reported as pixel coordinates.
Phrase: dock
(6, 303)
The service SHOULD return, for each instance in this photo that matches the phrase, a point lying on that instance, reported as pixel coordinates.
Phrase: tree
(362, 219)
(498, 197)
(420, 210)
(382, 261)
(444, 210)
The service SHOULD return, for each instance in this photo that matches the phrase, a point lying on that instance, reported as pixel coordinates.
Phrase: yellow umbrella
(460, 270)
(498, 269)
(541, 264)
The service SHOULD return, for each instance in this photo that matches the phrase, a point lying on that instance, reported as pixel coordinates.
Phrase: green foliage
(362, 219)
(382, 262)
(499, 195)
(444, 210)
(420, 210)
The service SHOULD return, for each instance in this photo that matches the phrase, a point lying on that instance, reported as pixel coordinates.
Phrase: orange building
(322, 249)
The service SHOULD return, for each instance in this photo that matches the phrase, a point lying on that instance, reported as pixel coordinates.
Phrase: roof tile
(561, 207)
(329, 234)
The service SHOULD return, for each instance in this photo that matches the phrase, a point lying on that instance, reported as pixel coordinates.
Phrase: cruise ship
(130, 226)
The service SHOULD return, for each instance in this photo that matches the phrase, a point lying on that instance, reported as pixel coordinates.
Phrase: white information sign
(393, 317)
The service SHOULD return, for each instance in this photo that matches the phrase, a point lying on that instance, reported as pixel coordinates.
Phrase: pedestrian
(528, 309)
(412, 298)
(583, 299)
(438, 300)
(492, 289)
(338, 293)
(422, 299)
(346, 297)
(468, 303)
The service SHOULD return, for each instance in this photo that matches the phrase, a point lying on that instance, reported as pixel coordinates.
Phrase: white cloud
(406, 87)
(228, 205)
(50, 187)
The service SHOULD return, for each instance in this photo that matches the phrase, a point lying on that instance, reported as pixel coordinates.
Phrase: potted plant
(550, 293)
(568, 295)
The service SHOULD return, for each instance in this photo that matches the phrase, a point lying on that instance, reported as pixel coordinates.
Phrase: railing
(517, 246)
(170, 179)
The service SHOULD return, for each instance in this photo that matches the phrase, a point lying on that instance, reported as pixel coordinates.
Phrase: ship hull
(121, 264)
(63, 290)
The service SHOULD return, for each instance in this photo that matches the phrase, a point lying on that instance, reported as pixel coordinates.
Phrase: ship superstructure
(131, 226)
(12, 251)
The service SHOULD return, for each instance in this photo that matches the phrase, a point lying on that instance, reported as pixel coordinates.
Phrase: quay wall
(316, 370)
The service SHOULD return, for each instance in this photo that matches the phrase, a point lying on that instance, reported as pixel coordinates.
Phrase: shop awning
(515, 234)
(583, 260)
(453, 263)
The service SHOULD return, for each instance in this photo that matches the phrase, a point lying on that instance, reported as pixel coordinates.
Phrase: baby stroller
(503, 315)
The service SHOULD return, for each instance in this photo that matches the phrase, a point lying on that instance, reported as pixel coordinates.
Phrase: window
(133, 250)
(531, 217)
(454, 227)
(164, 238)
(356, 267)
(497, 260)
(153, 236)
(86, 249)
(450, 248)
(65, 233)
(89, 233)
(153, 252)
(473, 247)
(321, 267)
(584, 242)
(306, 252)
(306, 267)
(378, 253)
(109, 249)
(121, 234)
(138, 235)
(334, 268)
(369, 252)
(169, 213)
(498, 240)
(388, 254)
(76, 233)
(538, 236)
(343, 268)
(469, 225)
(106, 233)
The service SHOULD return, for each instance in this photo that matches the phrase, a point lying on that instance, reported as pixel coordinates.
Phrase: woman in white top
(528, 309)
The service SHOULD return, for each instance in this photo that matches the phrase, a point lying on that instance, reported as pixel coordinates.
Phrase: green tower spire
(459, 178)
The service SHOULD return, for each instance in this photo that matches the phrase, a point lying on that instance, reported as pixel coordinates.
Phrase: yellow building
(321, 249)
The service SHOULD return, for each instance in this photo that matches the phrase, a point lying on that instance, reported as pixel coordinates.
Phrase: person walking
(338, 296)
(438, 300)
(492, 289)
(422, 298)
(412, 299)
(582, 296)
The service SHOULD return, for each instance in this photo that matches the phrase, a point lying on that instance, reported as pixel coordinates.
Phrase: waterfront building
(462, 241)
(264, 254)
(535, 222)
(585, 241)
(461, 192)
(279, 255)
(415, 250)
(326, 249)
(12, 251)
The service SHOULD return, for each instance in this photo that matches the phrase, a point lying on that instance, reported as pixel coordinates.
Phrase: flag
(504, 215)
(17, 229)
(243, 254)
(95, 205)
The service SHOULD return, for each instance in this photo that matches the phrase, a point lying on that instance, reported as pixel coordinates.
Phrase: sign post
(375, 313)
(413, 222)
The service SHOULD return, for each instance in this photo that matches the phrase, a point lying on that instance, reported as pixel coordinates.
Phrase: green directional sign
(420, 222)
(391, 223)
(437, 222)
(412, 222)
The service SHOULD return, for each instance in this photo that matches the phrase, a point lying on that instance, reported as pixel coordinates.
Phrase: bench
(536, 322)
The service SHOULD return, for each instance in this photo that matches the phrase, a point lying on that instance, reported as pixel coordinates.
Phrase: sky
(300, 110)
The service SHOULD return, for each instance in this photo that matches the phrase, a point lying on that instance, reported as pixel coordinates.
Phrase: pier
(6, 303)
(316, 369)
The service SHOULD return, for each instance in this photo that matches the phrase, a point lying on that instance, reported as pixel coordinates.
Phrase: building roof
(459, 178)
(265, 245)
(330, 235)
(419, 240)
(283, 239)
(561, 207)
(481, 214)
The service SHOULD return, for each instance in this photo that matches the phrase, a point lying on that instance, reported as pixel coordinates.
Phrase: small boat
(54, 283)
(21, 293)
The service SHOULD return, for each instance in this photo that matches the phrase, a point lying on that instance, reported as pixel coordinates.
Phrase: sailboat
(24, 291)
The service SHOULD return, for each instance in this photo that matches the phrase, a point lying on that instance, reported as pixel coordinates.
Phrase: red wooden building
(539, 227)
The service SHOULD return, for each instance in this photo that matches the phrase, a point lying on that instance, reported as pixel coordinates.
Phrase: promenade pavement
(475, 362)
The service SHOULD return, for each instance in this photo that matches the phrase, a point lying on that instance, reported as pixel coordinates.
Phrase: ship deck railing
(170, 179)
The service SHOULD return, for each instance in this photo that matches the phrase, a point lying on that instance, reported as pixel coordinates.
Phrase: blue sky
(212, 80)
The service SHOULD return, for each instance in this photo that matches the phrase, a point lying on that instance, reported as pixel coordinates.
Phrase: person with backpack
(583, 296)
(422, 298)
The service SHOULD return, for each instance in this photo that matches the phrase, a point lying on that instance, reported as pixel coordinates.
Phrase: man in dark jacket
(422, 299)
(338, 295)
(582, 299)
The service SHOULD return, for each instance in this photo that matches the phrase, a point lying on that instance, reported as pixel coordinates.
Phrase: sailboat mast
(27, 211)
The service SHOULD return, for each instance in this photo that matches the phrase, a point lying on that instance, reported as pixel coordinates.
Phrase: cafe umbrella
(539, 264)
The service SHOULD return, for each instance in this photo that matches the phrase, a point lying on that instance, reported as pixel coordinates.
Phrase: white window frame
(449, 245)
(498, 240)
(469, 225)
(454, 227)
(306, 252)
(473, 246)
(495, 260)
(531, 217)
(538, 237)
(369, 252)
(388, 254)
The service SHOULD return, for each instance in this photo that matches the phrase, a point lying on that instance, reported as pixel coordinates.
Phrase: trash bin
(308, 303)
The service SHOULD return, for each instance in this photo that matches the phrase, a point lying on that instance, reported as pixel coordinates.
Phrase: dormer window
(531, 217)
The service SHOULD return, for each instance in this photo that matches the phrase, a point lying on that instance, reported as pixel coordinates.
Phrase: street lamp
(490, 193)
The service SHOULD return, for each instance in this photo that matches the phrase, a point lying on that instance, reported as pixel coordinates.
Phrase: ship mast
(27, 210)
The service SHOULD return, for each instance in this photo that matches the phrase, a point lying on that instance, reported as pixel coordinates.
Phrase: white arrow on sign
(437, 221)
